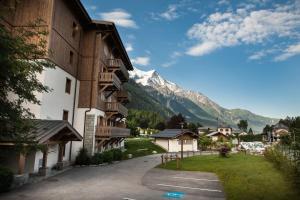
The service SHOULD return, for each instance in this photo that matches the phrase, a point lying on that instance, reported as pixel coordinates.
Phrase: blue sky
(241, 54)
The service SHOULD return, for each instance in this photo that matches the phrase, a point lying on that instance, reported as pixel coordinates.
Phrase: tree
(144, 123)
(193, 127)
(160, 126)
(204, 142)
(20, 63)
(243, 125)
(250, 132)
(267, 129)
(175, 120)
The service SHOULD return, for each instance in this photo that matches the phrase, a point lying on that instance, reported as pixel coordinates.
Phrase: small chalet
(170, 140)
(217, 136)
(279, 130)
(53, 135)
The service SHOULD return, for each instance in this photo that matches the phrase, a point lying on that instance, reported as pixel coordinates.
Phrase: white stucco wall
(79, 126)
(162, 143)
(175, 145)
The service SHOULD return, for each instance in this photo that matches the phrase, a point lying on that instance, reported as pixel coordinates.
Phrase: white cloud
(169, 64)
(129, 47)
(176, 54)
(173, 59)
(223, 2)
(142, 61)
(119, 17)
(171, 13)
(263, 53)
(290, 51)
(92, 7)
(243, 27)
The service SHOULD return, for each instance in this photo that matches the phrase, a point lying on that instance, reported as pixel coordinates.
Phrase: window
(68, 86)
(221, 129)
(71, 57)
(75, 29)
(65, 115)
(227, 129)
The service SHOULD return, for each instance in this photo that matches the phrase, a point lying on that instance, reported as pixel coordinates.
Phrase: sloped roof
(46, 129)
(173, 133)
(215, 133)
(280, 126)
(88, 22)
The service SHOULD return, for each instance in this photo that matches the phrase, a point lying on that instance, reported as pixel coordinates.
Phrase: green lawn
(141, 147)
(243, 176)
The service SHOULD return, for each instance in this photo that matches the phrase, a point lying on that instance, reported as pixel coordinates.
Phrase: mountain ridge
(194, 105)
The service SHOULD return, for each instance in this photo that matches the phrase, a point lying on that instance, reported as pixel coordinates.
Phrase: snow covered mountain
(196, 105)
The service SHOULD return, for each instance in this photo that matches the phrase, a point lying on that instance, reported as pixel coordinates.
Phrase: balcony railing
(120, 67)
(116, 107)
(124, 96)
(110, 79)
(109, 131)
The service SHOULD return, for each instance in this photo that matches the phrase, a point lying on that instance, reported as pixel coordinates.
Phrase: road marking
(197, 179)
(125, 198)
(192, 188)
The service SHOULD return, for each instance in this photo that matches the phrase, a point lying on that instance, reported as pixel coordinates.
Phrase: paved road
(130, 179)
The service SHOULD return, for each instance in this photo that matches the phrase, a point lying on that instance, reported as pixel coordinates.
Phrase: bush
(97, 159)
(283, 163)
(117, 154)
(82, 158)
(6, 179)
(223, 151)
(108, 156)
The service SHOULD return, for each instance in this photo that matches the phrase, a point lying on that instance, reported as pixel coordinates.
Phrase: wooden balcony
(117, 66)
(124, 96)
(110, 131)
(116, 108)
(109, 81)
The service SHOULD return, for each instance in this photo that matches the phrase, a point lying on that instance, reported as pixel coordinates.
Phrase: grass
(243, 176)
(141, 147)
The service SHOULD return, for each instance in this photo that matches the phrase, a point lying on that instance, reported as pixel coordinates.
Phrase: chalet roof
(173, 133)
(87, 22)
(46, 129)
(49, 130)
(215, 133)
(280, 126)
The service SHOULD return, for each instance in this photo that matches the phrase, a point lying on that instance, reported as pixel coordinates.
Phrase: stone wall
(89, 133)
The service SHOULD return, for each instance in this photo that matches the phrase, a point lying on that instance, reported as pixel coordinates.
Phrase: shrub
(117, 154)
(97, 159)
(290, 168)
(82, 158)
(108, 156)
(223, 151)
(6, 179)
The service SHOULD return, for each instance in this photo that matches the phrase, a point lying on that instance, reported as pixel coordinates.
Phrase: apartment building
(86, 107)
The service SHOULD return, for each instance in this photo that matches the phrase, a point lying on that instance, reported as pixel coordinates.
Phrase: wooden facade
(91, 51)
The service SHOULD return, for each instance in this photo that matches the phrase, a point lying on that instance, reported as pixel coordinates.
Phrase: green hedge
(97, 159)
(250, 138)
(83, 158)
(108, 156)
(283, 163)
(6, 179)
(117, 154)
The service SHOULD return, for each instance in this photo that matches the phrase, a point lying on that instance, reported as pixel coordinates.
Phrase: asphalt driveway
(131, 179)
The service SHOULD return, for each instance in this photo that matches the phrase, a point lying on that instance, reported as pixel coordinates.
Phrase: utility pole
(181, 123)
